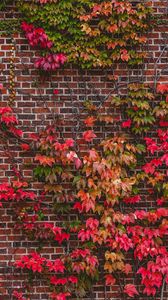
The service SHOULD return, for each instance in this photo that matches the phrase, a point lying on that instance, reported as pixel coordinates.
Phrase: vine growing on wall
(92, 33)
(104, 184)
(115, 241)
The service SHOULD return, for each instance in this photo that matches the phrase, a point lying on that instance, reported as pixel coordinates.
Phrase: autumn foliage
(92, 186)
(103, 187)
(87, 32)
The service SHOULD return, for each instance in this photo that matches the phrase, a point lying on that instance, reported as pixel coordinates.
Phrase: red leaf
(127, 269)
(4, 110)
(69, 143)
(127, 124)
(55, 92)
(19, 295)
(45, 160)
(89, 135)
(162, 88)
(132, 200)
(58, 281)
(165, 159)
(9, 119)
(90, 121)
(92, 223)
(15, 131)
(33, 136)
(78, 206)
(88, 203)
(78, 163)
(25, 147)
(160, 201)
(163, 124)
(110, 280)
(130, 290)
(60, 296)
(151, 145)
(73, 279)
(148, 168)
(125, 55)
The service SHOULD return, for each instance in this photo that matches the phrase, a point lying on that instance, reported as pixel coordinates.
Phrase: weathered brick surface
(33, 115)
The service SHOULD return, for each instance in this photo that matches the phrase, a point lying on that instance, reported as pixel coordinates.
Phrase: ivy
(4, 3)
(138, 107)
(95, 194)
(92, 34)
(103, 193)
(10, 26)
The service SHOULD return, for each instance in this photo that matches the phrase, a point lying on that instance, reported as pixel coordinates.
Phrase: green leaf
(141, 148)
(76, 179)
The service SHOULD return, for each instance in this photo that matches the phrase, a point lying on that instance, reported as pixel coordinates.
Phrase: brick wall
(31, 109)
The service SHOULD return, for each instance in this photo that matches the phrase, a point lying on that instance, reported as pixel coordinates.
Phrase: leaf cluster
(92, 33)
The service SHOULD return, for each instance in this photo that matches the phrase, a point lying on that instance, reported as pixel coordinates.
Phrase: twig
(162, 290)
(156, 63)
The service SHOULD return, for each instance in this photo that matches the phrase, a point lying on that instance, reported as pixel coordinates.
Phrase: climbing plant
(98, 183)
(92, 33)
(103, 183)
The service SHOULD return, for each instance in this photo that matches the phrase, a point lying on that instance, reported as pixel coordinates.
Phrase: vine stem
(120, 286)
(116, 89)
(156, 63)
(162, 290)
